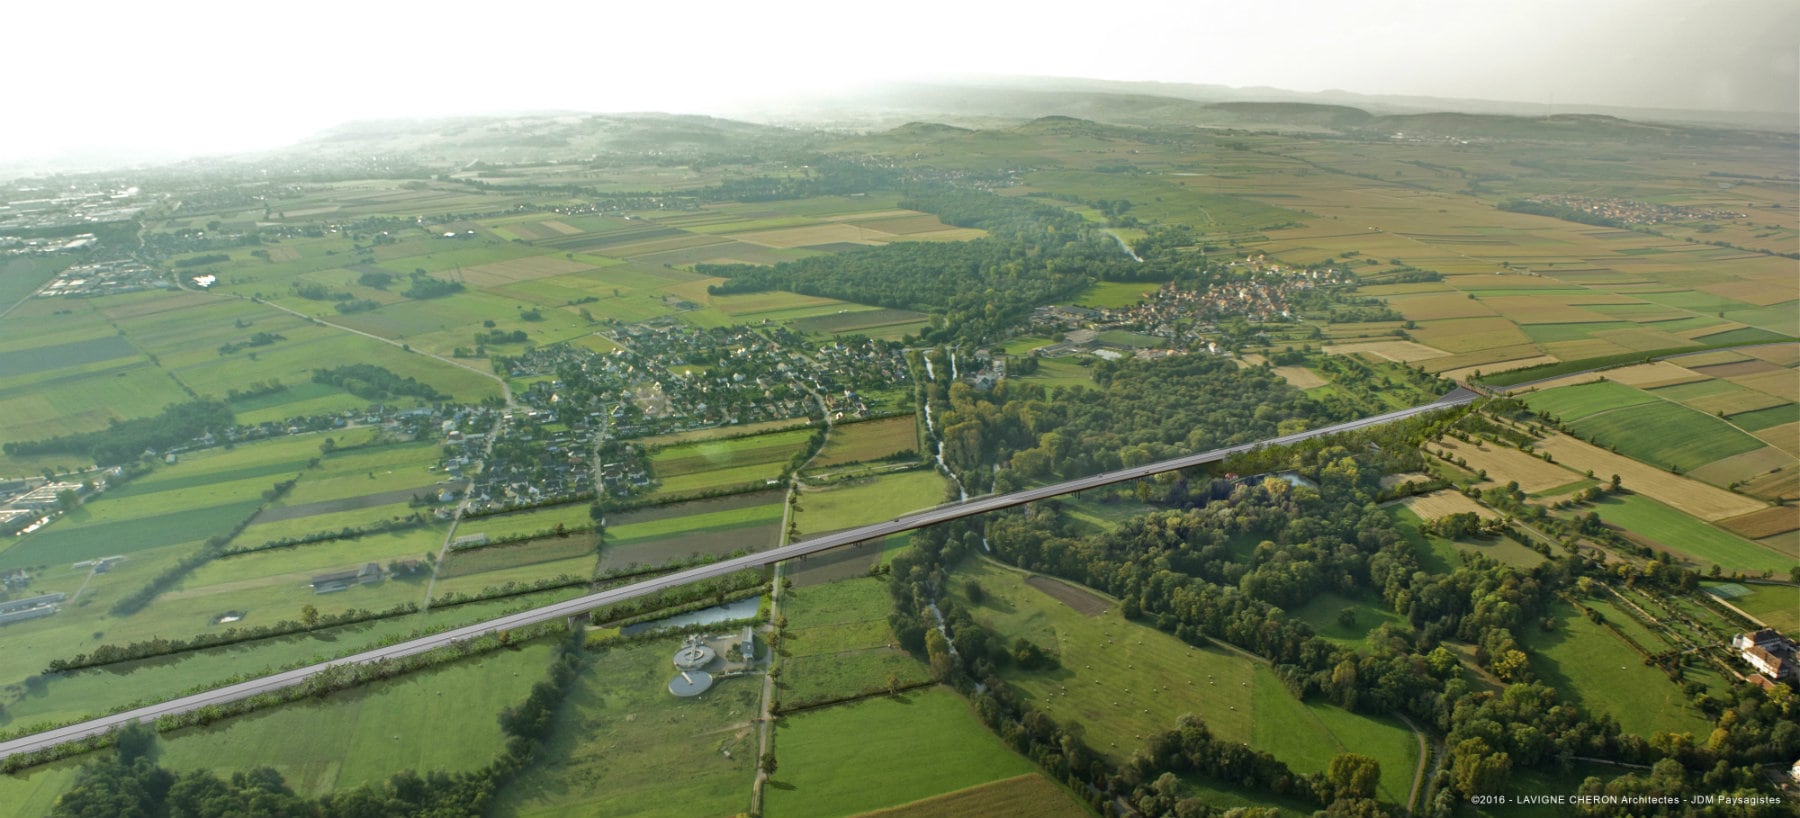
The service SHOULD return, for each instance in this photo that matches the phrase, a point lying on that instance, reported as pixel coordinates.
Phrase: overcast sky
(220, 76)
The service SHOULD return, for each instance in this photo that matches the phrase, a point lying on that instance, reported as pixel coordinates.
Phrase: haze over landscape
(165, 80)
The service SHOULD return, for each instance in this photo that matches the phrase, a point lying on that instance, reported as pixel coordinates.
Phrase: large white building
(1768, 651)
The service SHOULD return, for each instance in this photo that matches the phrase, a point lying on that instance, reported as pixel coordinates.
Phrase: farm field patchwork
(1699, 499)
(1667, 433)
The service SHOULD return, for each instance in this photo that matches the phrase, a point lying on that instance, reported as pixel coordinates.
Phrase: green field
(842, 760)
(867, 500)
(1572, 403)
(1776, 605)
(438, 719)
(1322, 611)
(1124, 682)
(1114, 293)
(1666, 434)
(1439, 555)
(838, 642)
(701, 466)
(1025, 796)
(1597, 669)
(869, 440)
(1760, 419)
(623, 746)
(627, 532)
(1708, 545)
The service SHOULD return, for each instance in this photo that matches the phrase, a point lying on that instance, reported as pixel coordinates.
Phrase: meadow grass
(1666, 434)
(1707, 544)
(1124, 682)
(868, 440)
(442, 718)
(1024, 796)
(1322, 611)
(841, 760)
(838, 642)
(1777, 605)
(622, 746)
(1572, 403)
(1597, 669)
(867, 500)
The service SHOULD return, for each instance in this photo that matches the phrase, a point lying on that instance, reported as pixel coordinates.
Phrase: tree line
(122, 441)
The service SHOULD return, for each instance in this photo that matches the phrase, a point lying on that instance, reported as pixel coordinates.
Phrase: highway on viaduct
(908, 522)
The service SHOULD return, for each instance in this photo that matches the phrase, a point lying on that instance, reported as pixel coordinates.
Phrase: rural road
(559, 610)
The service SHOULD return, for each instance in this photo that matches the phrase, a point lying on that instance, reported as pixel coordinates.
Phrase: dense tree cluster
(123, 441)
(372, 382)
(423, 286)
(1140, 412)
(1033, 254)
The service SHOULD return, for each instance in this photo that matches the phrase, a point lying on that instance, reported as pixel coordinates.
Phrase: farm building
(1769, 652)
(369, 574)
(34, 607)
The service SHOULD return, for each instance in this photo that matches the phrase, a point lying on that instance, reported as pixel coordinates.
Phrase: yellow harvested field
(1766, 523)
(1692, 496)
(1731, 403)
(1483, 359)
(523, 269)
(1445, 503)
(1785, 437)
(1652, 375)
(682, 242)
(1781, 383)
(1749, 464)
(1642, 339)
(1436, 306)
(904, 225)
(873, 214)
(1782, 484)
(278, 253)
(1300, 376)
(1701, 332)
(1723, 356)
(1408, 288)
(1504, 464)
(565, 229)
(833, 233)
(1403, 351)
(952, 234)
(1777, 354)
(1542, 309)
(1498, 366)
(1580, 348)
(1469, 334)
(1389, 481)
(1751, 291)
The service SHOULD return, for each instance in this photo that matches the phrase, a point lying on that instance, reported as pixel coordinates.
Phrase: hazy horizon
(209, 77)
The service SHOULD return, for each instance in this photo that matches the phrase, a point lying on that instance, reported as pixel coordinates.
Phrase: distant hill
(546, 136)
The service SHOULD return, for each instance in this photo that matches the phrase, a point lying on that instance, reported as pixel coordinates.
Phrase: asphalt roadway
(908, 522)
